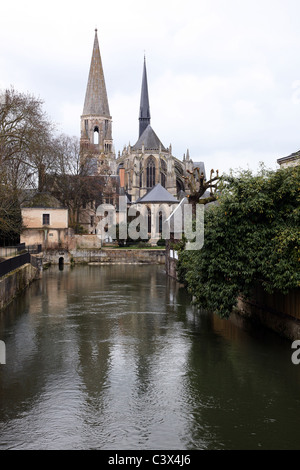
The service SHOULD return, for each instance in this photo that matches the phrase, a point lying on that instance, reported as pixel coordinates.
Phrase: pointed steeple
(96, 122)
(96, 102)
(144, 117)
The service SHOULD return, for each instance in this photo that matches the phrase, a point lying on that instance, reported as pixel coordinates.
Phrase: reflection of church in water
(147, 162)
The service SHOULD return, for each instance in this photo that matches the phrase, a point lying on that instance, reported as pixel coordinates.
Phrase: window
(46, 219)
(86, 126)
(151, 173)
(96, 135)
(163, 173)
(105, 127)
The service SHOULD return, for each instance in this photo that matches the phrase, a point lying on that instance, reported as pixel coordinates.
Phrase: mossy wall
(15, 282)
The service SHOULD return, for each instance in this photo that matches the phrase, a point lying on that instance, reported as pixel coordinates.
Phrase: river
(116, 357)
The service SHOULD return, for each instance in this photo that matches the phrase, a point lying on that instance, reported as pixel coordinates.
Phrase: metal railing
(17, 256)
(13, 263)
(8, 251)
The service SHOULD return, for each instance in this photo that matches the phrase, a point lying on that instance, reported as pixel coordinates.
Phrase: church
(145, 164)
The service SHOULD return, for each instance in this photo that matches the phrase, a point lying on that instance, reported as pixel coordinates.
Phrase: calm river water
(115, 357)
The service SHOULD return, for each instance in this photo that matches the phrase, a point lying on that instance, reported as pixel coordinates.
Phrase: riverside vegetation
(252, 237)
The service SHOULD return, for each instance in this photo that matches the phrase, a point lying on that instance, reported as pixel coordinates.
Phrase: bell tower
(96, 122)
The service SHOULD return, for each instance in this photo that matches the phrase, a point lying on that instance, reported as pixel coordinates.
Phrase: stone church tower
(148, 162)
(96, 123)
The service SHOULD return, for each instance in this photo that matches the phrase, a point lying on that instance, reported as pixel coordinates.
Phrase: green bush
(251, 237)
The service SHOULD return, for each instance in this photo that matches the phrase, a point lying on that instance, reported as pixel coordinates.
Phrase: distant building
(45, 222)
(291, 160)
(147, 162)
(96, 122)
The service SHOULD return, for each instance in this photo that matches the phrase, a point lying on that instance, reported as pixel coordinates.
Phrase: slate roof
(96, 102)
(158, 194)
(150, 141)
(43, 200)
(144, 103)
(201, 166)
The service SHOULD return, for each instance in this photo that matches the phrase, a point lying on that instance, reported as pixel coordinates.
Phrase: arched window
(149, 220)
(150, 172)
(96, 135)
(163, 172)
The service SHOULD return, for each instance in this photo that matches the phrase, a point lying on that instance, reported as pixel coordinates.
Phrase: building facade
(290, 160)
(146, 163)
(45, 222)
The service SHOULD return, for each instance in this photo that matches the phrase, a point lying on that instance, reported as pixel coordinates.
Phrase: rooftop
(158, 194)
(150, 141)
(43, 200)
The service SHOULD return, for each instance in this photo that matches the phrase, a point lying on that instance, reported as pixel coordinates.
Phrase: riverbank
(16, 281)
(106, 256)
(116, 356)
(13, 283)
(277, 312)
(274, 312)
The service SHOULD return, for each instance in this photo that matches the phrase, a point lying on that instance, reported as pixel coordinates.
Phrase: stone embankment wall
(15, 282)
(277, 312)
(107, 255)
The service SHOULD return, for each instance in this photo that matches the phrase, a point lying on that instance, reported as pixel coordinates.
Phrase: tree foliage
(34, 157)
(251, 237)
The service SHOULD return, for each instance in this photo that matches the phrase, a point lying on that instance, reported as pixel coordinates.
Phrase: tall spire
(96, 102)
(144, 117)
(96, 122)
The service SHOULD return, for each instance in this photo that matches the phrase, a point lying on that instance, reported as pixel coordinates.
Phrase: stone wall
(81, 242)
(15, 282)
(48, 238)
(280, 317)
(107, 255)
(171, 263)
(277, 312)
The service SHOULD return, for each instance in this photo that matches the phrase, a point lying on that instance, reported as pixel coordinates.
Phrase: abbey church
(145, 164)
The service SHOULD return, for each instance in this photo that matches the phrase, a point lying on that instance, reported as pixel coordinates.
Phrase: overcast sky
(223, 75)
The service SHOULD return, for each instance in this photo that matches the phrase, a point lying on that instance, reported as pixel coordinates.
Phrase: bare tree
(32, 156)
(26, 152)
(26, 138)
(79, 183)
(198, 186)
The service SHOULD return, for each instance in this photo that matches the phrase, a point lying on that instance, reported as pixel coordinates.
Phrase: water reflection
(116, 357)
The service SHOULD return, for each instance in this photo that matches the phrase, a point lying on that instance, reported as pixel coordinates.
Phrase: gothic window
(163, 173)
(150, 172)
(141, 179)
(149, 220)
(96, 135)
